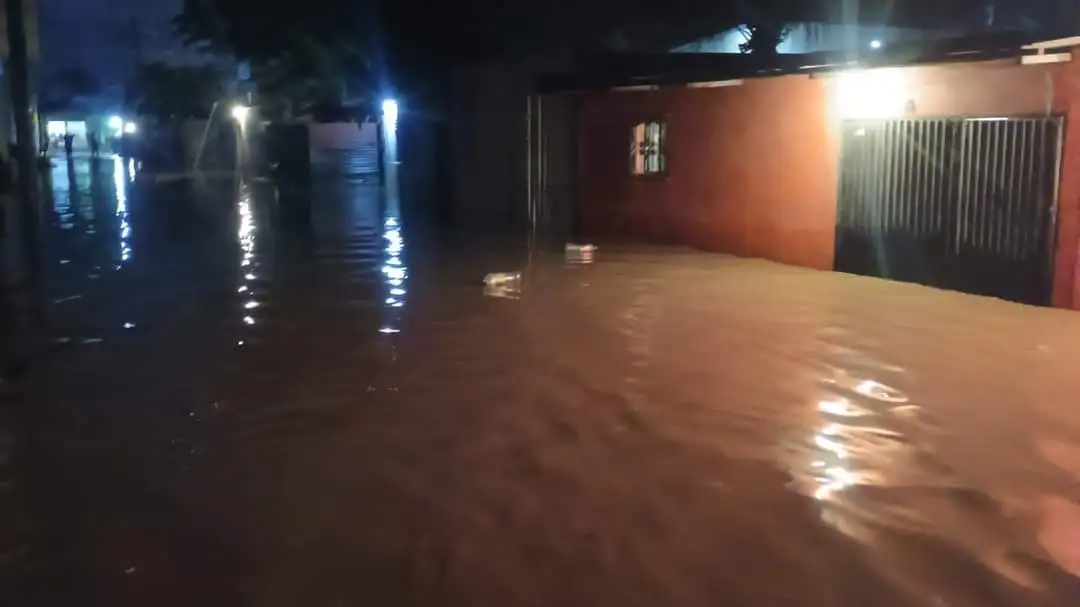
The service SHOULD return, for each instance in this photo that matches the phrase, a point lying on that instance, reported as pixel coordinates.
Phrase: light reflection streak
(122, 211)
(246, 237)
(395, 272)
(62, 190)
(829, 469)
(840, 440)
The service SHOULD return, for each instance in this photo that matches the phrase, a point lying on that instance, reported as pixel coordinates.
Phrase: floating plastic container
(502, 279)
(507, 292)
(580, 249)
(580, 253)
(503, 284)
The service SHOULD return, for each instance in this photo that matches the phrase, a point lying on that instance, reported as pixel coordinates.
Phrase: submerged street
(242, 411)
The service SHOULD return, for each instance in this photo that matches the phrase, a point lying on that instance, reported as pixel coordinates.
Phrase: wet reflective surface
(262, 406)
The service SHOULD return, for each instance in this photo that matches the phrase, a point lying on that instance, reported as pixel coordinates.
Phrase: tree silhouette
(763, 40)
(296, 55)
(175, 92)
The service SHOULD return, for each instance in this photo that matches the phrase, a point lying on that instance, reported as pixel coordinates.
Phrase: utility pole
(26, 140)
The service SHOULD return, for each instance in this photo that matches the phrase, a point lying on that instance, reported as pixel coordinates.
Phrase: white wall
(341, 135)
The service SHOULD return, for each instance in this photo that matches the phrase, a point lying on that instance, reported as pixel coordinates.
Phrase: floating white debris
(502, 279)
(580, 249)
(580, 253)
(503, 284)
(504, 292)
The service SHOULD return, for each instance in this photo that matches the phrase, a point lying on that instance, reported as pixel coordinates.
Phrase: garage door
(964, 204)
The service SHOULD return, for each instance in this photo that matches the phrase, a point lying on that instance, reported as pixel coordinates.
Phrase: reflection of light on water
(834, 477)
(245, 235)
(838, 443)
(841, 407)
(122, 210)
(394, 272)
(869, 388)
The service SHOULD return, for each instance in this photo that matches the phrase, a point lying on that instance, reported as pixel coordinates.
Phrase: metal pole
(528, 161)
(380, 148)
(541, 163)
(19, 69)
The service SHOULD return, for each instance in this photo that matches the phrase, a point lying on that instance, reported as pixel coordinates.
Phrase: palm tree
(763, 39)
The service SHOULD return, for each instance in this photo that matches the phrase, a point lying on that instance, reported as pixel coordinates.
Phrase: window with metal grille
(647, 143)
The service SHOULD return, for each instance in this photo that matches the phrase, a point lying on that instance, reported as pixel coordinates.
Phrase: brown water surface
(255, 415)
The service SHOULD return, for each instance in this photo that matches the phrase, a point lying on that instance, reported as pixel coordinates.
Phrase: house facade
(960, 171)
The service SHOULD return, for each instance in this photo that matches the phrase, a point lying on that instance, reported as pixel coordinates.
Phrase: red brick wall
(752, 169)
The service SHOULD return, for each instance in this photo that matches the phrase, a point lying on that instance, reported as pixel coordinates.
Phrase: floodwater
(252, 413)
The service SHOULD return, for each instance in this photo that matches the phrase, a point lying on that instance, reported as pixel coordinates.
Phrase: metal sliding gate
(963, 204)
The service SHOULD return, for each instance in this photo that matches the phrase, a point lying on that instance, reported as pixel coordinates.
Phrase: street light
(875, 44)
(116, 122)
(390, 112)
(240, 112)
(130, 128)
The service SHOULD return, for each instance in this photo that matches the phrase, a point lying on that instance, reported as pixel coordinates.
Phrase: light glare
(870, 94)
(390, 111)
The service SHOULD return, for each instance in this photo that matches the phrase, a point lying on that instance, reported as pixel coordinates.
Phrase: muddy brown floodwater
(269, 417)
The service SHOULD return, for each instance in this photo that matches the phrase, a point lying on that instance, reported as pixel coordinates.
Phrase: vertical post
(528, 162)
(541, 163)
(19, 70)
(380, 146)
(574, 210)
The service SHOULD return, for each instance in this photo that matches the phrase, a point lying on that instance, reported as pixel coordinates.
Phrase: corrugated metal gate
(964, 204)
(361, 162)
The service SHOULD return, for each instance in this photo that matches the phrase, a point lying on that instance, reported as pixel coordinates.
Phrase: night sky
(96, 34)
(93, 34)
